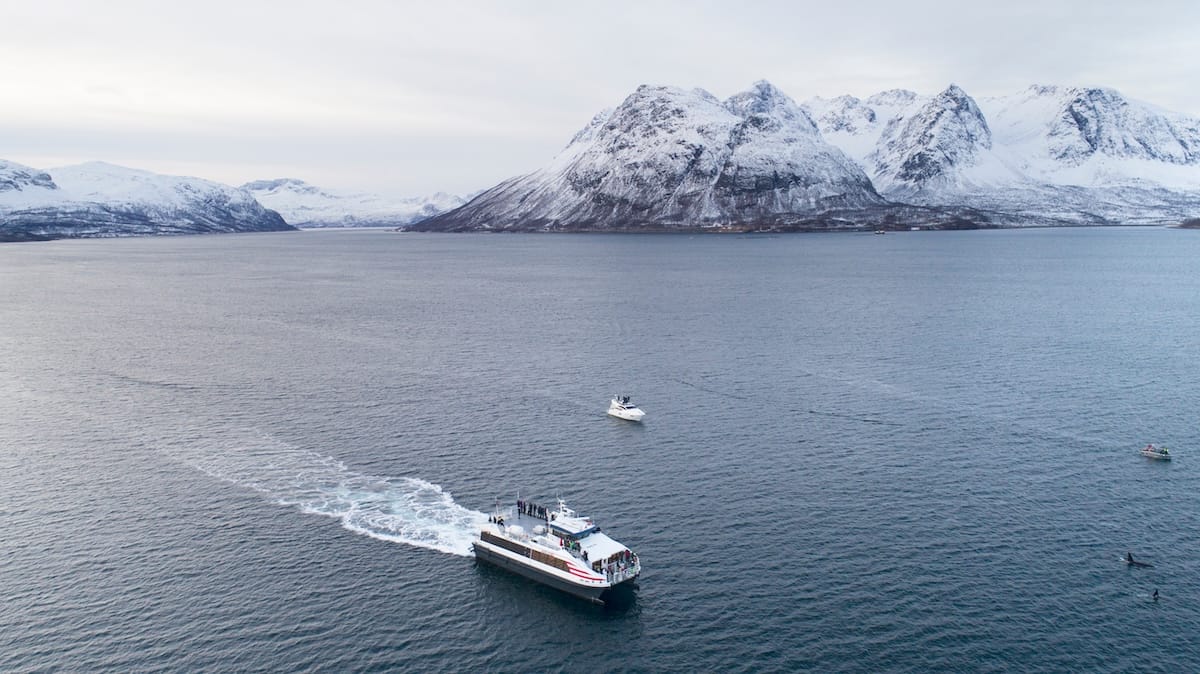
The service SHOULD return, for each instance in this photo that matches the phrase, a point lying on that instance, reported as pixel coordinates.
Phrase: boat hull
(628, 415)
(488, 554)
(1156, 455)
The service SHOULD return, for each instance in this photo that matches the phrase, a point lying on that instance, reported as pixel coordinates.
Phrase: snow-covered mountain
(17, 180)
(1046, 155)
(927, 148)
(669, 158)
(99, 199)
(305, 205)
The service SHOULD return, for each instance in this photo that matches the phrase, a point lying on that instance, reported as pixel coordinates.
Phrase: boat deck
(596, 550)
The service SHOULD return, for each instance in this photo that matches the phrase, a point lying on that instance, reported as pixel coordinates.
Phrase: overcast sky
(411, 98)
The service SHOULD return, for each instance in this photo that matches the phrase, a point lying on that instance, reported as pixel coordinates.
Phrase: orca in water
(1133, 562)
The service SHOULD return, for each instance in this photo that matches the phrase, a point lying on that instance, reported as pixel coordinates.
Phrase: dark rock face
(672, 159)
(106, 220)
(1101, 121)
(926, 148)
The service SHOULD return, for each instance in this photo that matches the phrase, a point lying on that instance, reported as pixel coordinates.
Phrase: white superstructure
(621, 407)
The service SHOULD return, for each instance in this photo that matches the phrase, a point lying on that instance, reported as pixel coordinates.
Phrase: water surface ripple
(912, 453)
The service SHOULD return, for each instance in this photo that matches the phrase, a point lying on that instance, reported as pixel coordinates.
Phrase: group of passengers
(617, 564)
(532, 509)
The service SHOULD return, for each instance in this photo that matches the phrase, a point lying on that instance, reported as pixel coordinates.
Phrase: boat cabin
(623, 402)
(582, 538)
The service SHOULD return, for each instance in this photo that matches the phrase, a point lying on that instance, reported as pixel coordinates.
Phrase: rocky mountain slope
(307, 206)
(98, 199)
(669, 159)
(1046, 155)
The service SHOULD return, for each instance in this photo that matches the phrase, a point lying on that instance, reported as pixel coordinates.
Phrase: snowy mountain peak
(1096, 121)
(588, 132)
(18, 178)
(892, 98)
(675, 158)
(291, 184)
(927, 148)
(1043, 90)
(306, 205)
(764, 104)
(659, 110)
(110, 182)
(845, 113)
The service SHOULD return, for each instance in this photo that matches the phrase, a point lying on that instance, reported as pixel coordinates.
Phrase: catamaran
(560, 548)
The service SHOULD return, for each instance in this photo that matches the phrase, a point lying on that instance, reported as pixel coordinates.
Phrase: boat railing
(621, 575)
(620, 572)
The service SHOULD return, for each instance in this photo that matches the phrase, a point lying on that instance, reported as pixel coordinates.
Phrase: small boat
(621, 408)
(561, 549)
(1155, 452)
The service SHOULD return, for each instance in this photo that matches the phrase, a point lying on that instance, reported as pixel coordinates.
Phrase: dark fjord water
(914, 452)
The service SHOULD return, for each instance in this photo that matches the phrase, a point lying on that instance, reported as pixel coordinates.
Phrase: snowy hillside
(669, 158)
(933, 146)
(1096, 137)
(1046, 155)
(304, 205)
(20, 184)
(855, 125)
(99, 199)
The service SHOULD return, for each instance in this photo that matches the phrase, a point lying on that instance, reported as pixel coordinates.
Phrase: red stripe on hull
(583, 574)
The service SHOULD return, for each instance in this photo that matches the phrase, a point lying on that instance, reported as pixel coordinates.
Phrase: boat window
(549, 559)
(512, 546)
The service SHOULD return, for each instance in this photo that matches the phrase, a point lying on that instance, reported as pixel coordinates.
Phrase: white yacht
(560, 549)
(621, 407)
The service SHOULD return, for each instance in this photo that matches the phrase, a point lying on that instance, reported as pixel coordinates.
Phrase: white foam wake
(401, 510)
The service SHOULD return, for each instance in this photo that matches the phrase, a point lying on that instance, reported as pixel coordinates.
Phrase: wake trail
(395, 509)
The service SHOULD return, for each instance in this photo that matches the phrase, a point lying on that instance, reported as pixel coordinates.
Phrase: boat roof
(575, 529)
(596, 543)
(565, 520)
(599, 546)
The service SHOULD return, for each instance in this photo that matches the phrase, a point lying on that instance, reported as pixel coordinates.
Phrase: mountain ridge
(674, 159)
(97, 199)
(668, 158)
(307, 206)
(1054, 155)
